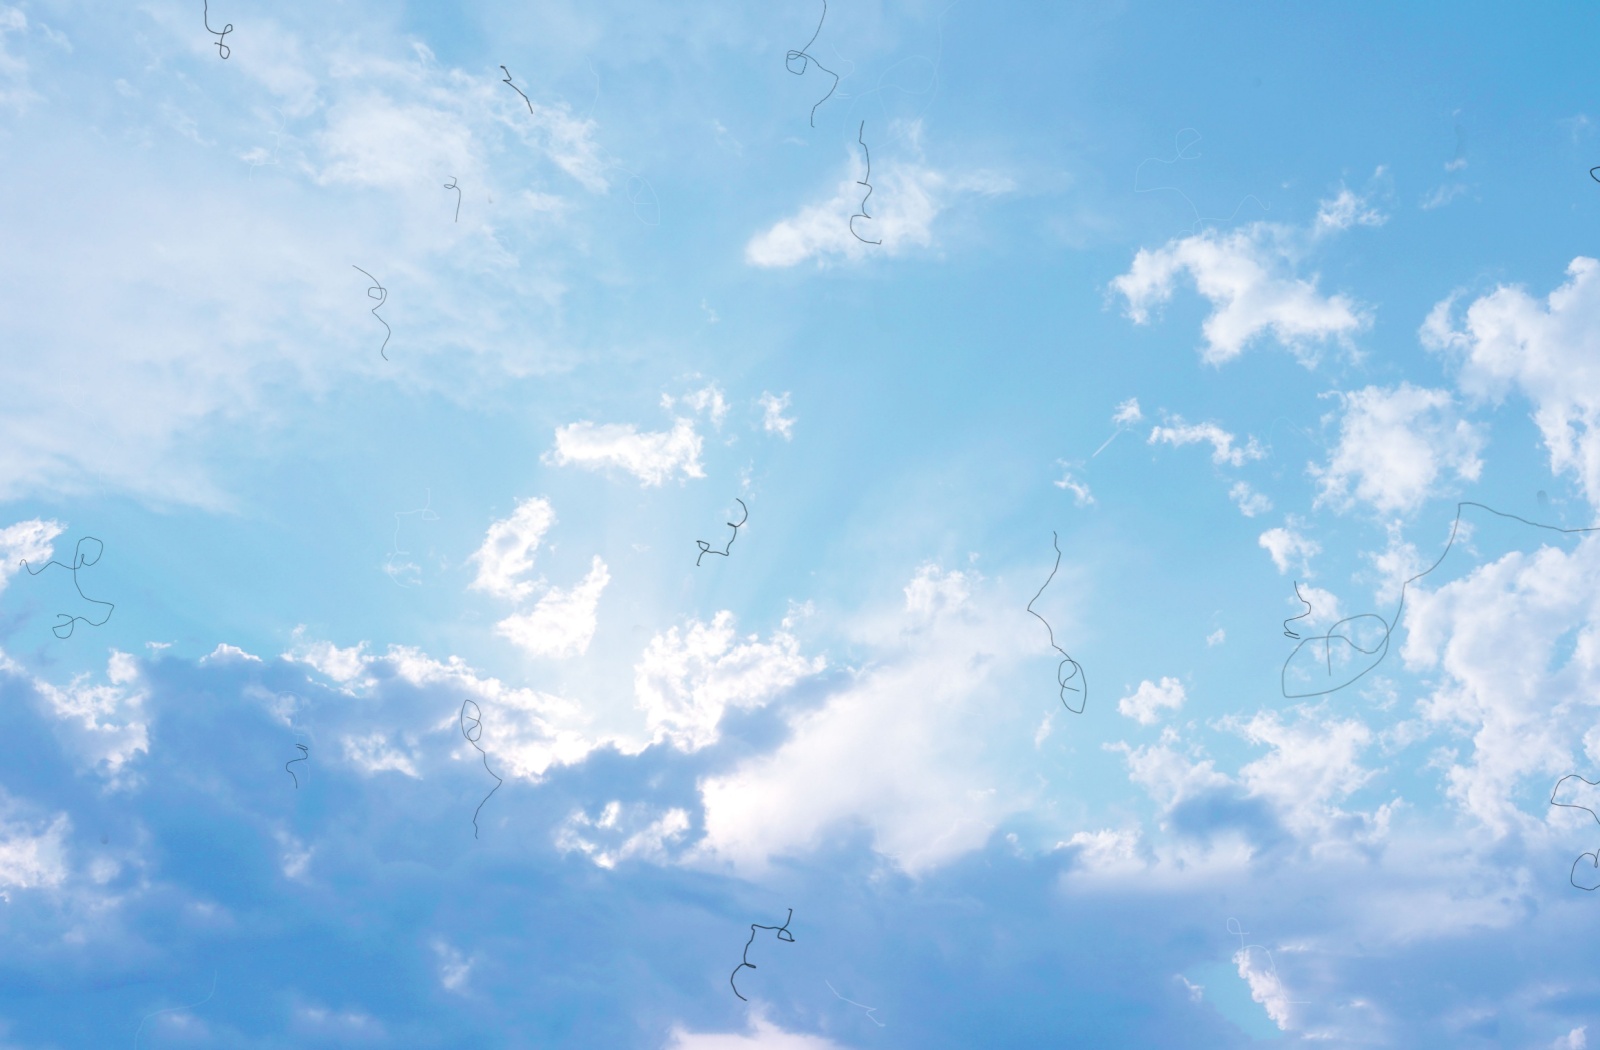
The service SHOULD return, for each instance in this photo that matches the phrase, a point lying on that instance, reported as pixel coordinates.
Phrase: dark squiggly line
(1572, 876)
(518, 90)
(451, 185)
(78, 561)
(862, 214)
(783, 935)
(1592, 174)
(305, 753)
(472, 734)
(705, 548)
(222, 49)
(806, 58)
(1286, 632)
(382, 297)
(1381, 650)
(1077, 668)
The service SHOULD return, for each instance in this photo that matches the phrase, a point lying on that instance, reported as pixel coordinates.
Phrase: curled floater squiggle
(705, 548)
(1383, 630)
(1064, 676)
(1286, 632)
(451, 185)
(783, 935)
(380, 293)
(472, 733)
(1594, 858)
(867, 182)
(222, 49)
(518, 90)
(807, 59)
(64, 621)
(305, 754)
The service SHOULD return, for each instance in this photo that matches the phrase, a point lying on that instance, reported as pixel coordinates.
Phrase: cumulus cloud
(33, 853)
(1548, 351)
(105, 724)
(708, 401)
(563, 622)
(773, 421)
(916, 728)
(1395, 445)
(619, 834)
(1286, 545)
(763, 1035)
(1127, 413)
(684, 682)
(907, 197)
(1504, 681)
(1224, 451)
(1147, 703)
(1248, 278)
(1071, 483)
(1344, 210)
(1249, 501)
(506, 556)
(652, 456)
(28, 541)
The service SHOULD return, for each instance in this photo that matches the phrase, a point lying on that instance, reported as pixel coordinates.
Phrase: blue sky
(1230, 302)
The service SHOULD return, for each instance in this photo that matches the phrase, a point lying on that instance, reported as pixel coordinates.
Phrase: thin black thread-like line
(172, 1009)
(1077, 668)
(472, 736)
(305, 753)
(382, 297)
(222, 49)
(451, 185)
(783, 935)
(805, 57)
(1592, 174)
(1572, 876)
(1286, 632)
(518, 90)
(867, 182)
(78, 562)
(705, 548)
(1568, 805)
(1382, 648)
(869, 1009)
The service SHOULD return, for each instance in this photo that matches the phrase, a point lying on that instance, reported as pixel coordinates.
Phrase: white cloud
(582, 833)
(1127, 413)
(1249, 500)
(1548, 351)
(1223, 449)
(454, 968)
(1146, 703)
(16, 94)
(28, 541)
(1079, 489)
(225, 653)
(563, 622)
(373, 753)
(1246, 275)
(33, 854)
(1394, 446)
(650, 456)
(1577, 1039)
(1439, 196)
(907, 197)
(508, 549)
(1286, 544)
(1216, 637)
(1266, 987)
(708, 400)
(1492, 639)
(920, 726)
(773, 420)
(1345, 210)
(764, 1035)
(1314, 764)
(685, 682)
(105, 723)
